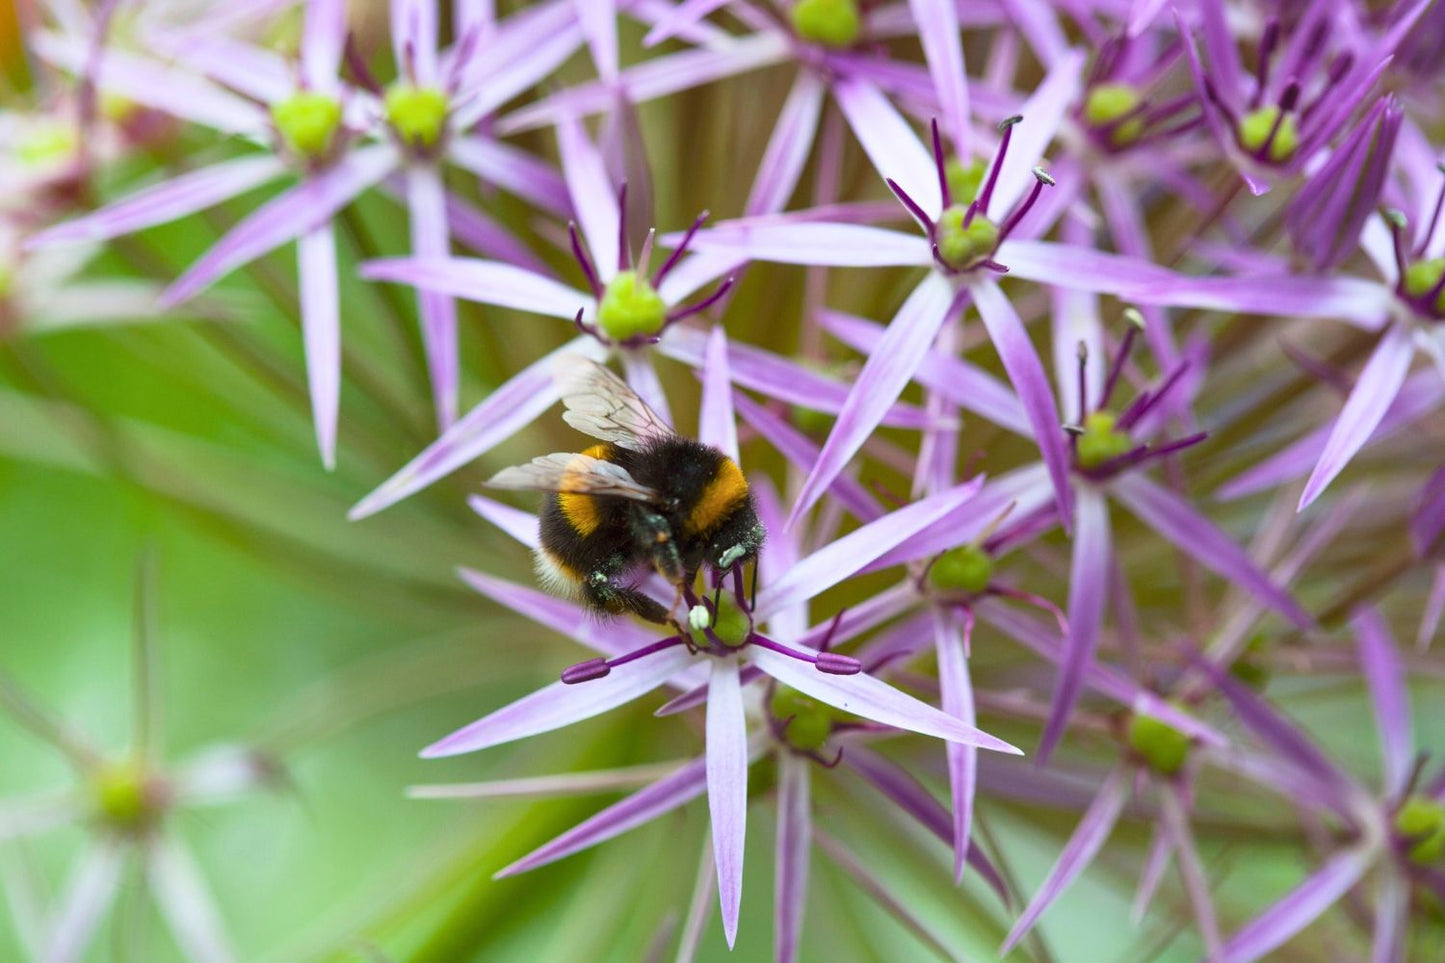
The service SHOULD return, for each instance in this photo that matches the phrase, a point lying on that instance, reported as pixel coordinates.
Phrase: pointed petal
(1392, 919)
(1196, 886)
(521, 525)
(323, 34)
(641, 807)
(564, 784)
(788, 146)
(510, 167)
(825, 245)
(717, 423)
(1021, 362)
(1172, 517)
(957, 692)
(599, 22)
(1378, 384)
(594, 196)
(28, 815)
(489, 282)
(1365, 304)
(560, 615)
(560, 704)
(321, 333)
(1301, 907)
(888, 140)
(727, 787)
(795, 838)
(642, 378)
(874, 699)
(1088, 589)
(938, 31)
(884, 376)
(185, 902)
(414, 38)
(1385, 675)
(166, 201)
(686, 14)
(1043, 115)
(505, 411)
(1085, 269)
(89, 893)
(302, 208)
(430, 238)
(847, 555)
(1077, 853)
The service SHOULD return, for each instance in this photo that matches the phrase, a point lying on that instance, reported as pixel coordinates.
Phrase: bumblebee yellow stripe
(719, 498)
(581, 510)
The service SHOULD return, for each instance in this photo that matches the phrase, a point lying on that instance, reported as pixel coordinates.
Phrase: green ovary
(831, 23)
(730, 624)
(966, 568)
(1422, 822)
(1160, 745)
(417, 114)
(308, 122)
(1101, 440)
(964, 180)
(1106, 104)
(809, 722)
(630, 308)
(963, 247)
(1421, 278)
(122, 797)
(1255, 128)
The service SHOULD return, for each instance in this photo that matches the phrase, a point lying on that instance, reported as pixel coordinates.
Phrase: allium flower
(1300, 96)
(127, 803)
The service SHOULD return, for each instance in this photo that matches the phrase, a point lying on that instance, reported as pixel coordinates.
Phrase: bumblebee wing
(573, 473)
(602, 405)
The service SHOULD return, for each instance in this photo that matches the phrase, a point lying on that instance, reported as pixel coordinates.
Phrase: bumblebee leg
(599, 589)
(654, 535)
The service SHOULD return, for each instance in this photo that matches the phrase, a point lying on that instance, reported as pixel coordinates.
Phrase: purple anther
(586, 671)
(835, 664)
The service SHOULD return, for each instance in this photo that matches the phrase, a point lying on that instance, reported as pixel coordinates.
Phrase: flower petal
(641, 807)
(302, 208)
(166, 201)
(1366, 304)
(1085, 269)
(560, 704)
(788, 146)
(957, 691)
(1088, 589)
(884, 376)
(521, 525)
(874, 699)
(727, 787)
(322, 38)
(563, 784)
(717, 423)
(795, 838)
(938, 31)
(504, 412)
(1374, 392)
(488, 282)
(512, 168)
(594, 196)
(1043, 114)
(1077, 853)
(1385, 675)
(890, 143)
(1172, 517)
(89, 893)
(185, 902)
(321, 333)
(1301, 907)
(1024, 369)
(430, 239)
(803, 242)
(599, 23)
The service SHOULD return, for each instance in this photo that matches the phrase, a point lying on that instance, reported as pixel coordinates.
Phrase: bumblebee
(644, 497)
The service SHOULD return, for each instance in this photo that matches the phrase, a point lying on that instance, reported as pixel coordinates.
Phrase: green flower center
(417, 114)
(831, 23)
(964, 180)
(809, 722)
(963, 247)
(123, 797)
(1106, 104)
(1422, 822)
(1101, 441)
(966, 568)
(45, 143)
(1421, 278)
(1256, 126)
(630, 308)
(307, 122)
(730, 624)
(1160, 745)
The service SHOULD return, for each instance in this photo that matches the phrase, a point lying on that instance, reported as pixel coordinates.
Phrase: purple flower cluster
(1120, 229)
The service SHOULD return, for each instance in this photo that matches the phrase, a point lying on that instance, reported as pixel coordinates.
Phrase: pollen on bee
(720, 497)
